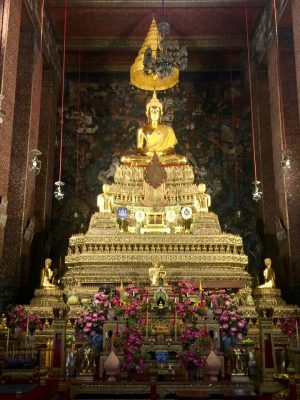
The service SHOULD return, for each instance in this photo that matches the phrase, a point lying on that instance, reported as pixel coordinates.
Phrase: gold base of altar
(268, 297)
(43, 301)
(179, 389)
(137, 160)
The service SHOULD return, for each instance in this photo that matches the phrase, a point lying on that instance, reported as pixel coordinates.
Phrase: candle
(27, 331)
(7, 340)
(147, 323)
(47, 355)
(297, 334)
(175, 321)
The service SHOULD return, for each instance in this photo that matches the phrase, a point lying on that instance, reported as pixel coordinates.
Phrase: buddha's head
(105, 188)
(201, 187)
(48, 262)
(268, 262)
(154, 109)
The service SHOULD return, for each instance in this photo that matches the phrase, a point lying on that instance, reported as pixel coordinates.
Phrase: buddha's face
(48, 262)
(202, 187)
(268, 262)
(105, 188)
(154, 113)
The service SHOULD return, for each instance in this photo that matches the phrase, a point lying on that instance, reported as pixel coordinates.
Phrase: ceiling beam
(195, 43)
(156, 3)
(112, 67)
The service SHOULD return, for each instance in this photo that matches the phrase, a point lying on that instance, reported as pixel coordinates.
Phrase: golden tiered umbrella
(144, 81)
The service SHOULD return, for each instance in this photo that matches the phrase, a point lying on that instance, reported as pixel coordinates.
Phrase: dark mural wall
(211, 118)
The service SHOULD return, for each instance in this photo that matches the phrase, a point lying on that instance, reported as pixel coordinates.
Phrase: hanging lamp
(35, 164)
(256, 191)
(58, 193)
(285, 160)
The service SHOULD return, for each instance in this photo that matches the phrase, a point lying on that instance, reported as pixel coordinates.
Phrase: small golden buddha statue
(202, 200)
(162, 274)
(3, 322)
(160, 304)
(269, 275)
(153, 273)
(105, 200)
(47, 275)
(157, 274)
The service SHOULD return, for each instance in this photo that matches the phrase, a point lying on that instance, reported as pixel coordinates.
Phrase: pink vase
(111, 366)
(213, 366)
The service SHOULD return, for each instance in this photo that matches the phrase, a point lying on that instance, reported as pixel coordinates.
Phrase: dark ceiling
(108, 34)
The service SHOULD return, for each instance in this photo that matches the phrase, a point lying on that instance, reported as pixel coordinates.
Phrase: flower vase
(131, 375)
(199, 373)
(70, 362)
(190, 372)
(213, 366)
(111, 366)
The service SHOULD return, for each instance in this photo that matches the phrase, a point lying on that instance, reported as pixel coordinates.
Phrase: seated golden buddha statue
(47, 275)
(269, 275)
(155, 138)
(105, 200)
(202, 200)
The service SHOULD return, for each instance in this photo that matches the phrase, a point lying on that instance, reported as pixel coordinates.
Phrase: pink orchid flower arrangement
(188, 310)
(94, 315)
(22, 321)
(232, 323)
(288, 325)
(184, 288)
(133, 359)
(189, 303)
(190, 358)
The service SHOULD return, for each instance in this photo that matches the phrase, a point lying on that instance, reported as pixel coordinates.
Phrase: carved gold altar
(163, 220)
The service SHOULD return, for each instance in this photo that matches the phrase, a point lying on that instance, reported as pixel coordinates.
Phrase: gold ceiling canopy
(151, 82)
